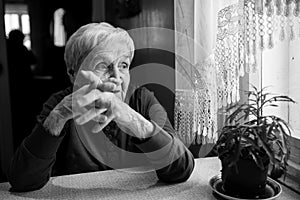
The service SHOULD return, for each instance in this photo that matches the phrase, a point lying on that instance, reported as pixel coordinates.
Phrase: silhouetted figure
(20, 60)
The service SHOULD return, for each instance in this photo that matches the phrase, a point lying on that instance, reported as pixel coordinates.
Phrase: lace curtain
(216, 43)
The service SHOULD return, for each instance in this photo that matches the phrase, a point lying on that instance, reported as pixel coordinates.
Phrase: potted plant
(250, 142)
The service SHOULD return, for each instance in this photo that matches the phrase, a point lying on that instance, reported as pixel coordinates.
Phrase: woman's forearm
(54, 123)
(135, 124)
(140, 126)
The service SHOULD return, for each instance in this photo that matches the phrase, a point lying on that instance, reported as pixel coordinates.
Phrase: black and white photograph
(150, 99)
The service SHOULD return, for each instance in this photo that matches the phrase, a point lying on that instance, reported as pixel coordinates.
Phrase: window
(294, 86)
(16, 17)
(280, 70)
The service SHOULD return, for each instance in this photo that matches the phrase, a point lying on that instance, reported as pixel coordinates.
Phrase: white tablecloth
(123, 185)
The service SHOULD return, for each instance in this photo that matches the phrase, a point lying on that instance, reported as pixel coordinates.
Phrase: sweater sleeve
(172, 160)
(31, 165)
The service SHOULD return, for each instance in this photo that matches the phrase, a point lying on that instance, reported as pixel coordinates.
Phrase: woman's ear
(71, 74)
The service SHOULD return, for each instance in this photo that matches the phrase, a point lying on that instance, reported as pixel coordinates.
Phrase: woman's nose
(115, 75)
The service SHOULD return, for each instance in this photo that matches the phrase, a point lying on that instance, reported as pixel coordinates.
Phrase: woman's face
(112, 65)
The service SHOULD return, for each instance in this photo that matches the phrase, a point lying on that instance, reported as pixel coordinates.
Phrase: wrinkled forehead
(122, 41)
(118, 46)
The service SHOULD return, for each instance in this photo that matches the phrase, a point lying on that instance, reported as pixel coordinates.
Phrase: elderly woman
(99, 123)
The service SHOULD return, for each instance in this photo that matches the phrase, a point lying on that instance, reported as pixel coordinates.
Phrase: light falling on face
(113, 66)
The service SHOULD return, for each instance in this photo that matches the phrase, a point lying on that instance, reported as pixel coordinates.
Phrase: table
(116, 184)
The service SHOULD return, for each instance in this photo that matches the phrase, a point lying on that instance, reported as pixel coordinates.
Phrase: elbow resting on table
(27, 177)
(176, 173)
(21, 183)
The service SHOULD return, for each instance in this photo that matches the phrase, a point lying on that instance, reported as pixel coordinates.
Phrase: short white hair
(89, 36)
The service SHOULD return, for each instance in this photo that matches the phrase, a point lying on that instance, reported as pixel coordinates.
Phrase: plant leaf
(257, 160)
(266, 148)
(236, 153)
(252, 142)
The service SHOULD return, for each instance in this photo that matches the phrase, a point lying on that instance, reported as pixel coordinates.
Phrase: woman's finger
(95, 82)
(84, 89)
(88, 98)
(106, 86)
(67, 109)
(100, 118)
(98, 127)
(94, 96)
(89, 115)
(92, 78)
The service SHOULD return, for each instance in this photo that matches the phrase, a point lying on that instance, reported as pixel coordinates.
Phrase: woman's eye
(101, 67)
(124, 65)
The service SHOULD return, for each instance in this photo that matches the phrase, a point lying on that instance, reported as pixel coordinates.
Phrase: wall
(282, 74)
(294, 85)
(98, 13)
(154, 13)
(41, 14)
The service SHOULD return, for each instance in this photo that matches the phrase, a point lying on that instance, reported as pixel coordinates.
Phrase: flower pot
(245, 179)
